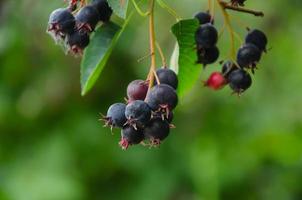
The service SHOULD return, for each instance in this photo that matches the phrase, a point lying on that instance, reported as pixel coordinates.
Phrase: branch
(240, 9)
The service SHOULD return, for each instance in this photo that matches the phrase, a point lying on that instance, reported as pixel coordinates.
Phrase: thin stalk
(169, 9)
(152, 45)
(162, 56)
(240, 9)
(139, 11)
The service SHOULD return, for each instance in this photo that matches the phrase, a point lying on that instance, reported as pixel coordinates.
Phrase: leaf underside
(119, 7)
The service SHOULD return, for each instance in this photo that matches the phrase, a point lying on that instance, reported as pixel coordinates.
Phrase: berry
(208, 55)
(162, 98)
(239, 81)
(216, 81)
(130, 136)
(248, 56)
(168, 118)
(206, 36)
(87, 18)
(138, 113)
(77, 42)
(227, 68)
(156, 131)
(103, 8)
(116, 115)
(167, 76)
(237, 2)
(61, 22)
(137, 90)
(258, 38)
(203, 17)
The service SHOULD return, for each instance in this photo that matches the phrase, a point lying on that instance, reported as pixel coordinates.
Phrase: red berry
(216, 81)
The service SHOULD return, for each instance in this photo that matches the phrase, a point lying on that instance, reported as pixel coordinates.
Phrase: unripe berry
(156, 131)
(103, 8)
(216, 81)
(116, 116)
(207, 55)
(248, 56)
(130, 136)
(77, 42)
(203, 17)
(206, 36)
(167, 76)
(138, 113)
(137, 90)
(258, 38)
(87, 18)
(239, 81)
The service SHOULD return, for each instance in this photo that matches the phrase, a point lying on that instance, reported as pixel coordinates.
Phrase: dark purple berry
(203, 17)
(228, 67)
(237, 2)
(137, 90)
(103, 8)
(206, 36)
(162, 98)
(116, 115)
(164, 117)
(258, 38)
(239, 81)
(138, 113)
(156, 131)
(77, 42)
(87, 18)
(248, 56)
(61, 22)
(130, 136)
(167, 76)
(207, 55)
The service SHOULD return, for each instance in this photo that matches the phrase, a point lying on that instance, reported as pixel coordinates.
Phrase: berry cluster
(206, 38)
(148, 113)
(235, 74)
(72, 29)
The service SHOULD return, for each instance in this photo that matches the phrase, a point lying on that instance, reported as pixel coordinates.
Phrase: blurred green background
(52, 146)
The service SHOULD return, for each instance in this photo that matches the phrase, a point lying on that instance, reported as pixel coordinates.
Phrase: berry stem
(139, 11)
(240, 9)
(152, 44)
(160, 51)
(169, 9)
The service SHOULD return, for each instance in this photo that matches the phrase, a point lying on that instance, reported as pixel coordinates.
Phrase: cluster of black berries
(206, 38)
(72, 31)
(235, 74)
(148, 113)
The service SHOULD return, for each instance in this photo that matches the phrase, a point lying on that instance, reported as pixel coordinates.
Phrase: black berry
(206, 36)
(130, 136)
(258, 38)
(77, 42)
(203, 17)
(137, 90)
(239, 81)
(167, 76)
(248, 56)
(103, 8)
(166, 117)
(207, 55)
(162, 98)
(156, 131)
(116, 115)
(87, 18)
(138, 113)
(228, 67)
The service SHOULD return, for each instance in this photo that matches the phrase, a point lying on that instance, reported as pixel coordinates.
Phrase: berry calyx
(115, 116)
(239, 81)
(203, 17)
(248, 56)
(138, 113)
(258, 38)
(156, 131)
(103, 8)
(130, 136)
(137, 90)
(207, 56)
(87, 19)
(216, 81)
(167, 76)
(77, 42)
(206, 36)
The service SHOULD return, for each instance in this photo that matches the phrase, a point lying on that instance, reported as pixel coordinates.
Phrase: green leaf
(119, 7)
(97, 54)
(188, 70)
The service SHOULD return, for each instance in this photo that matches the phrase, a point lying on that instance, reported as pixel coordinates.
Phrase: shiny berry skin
(162, 98)
(239, 81)
(138, 113)
(156, 131)
(137, 90)
(167, 76)
(258, 38)
(130, 136)
(208, 55)
(116, 115)
(103, 8)
(203, 17)
(206, 36)
(216, 81)
(77, 42)
(228, 67)
(61, 22)
(87, 18)
(248, 56)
